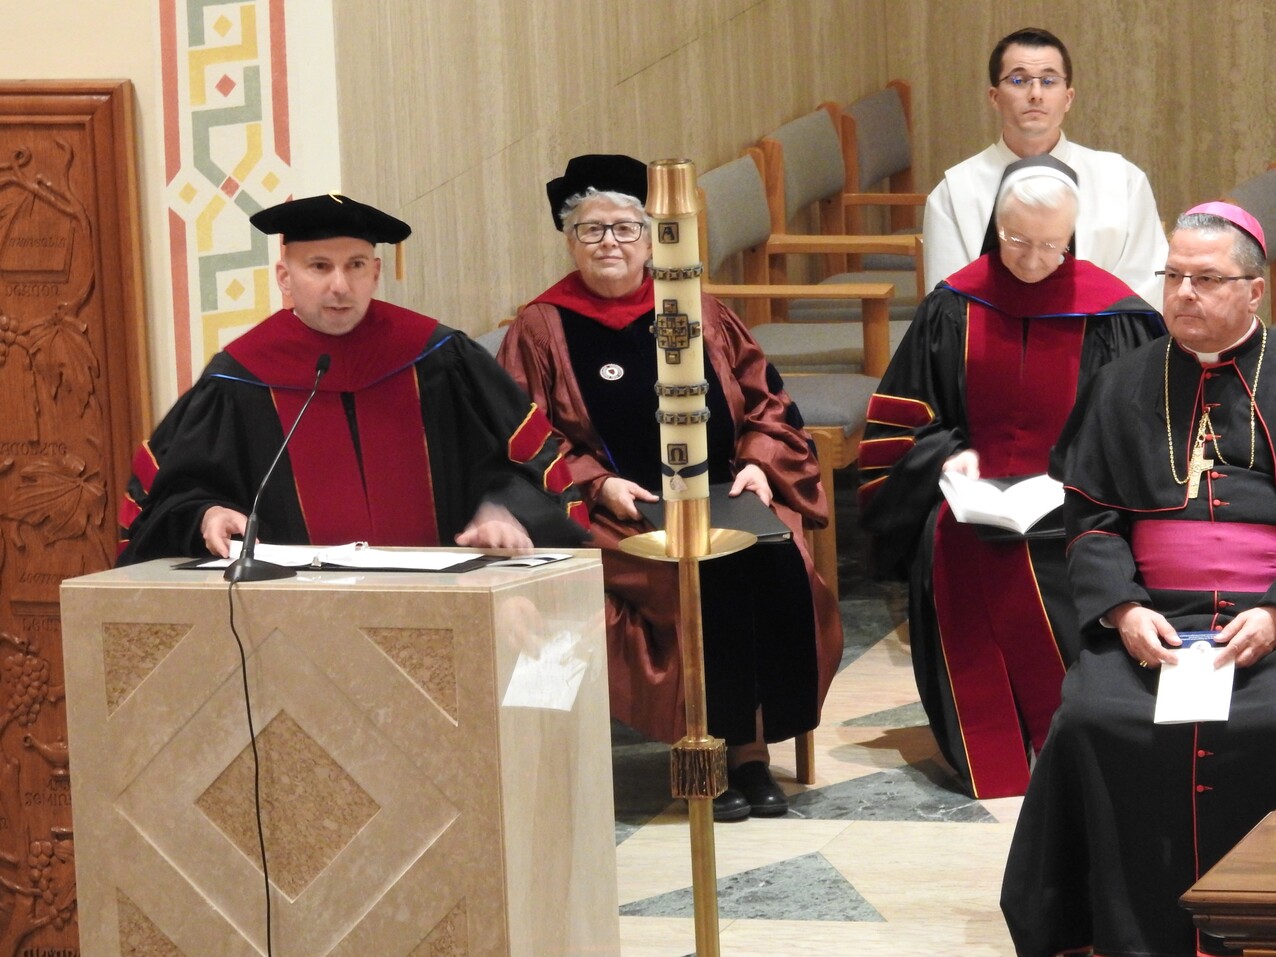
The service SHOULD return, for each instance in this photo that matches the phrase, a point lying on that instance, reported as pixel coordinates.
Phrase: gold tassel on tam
(398, 262)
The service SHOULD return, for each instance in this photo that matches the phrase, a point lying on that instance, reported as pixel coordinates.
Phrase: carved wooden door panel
(73, 401)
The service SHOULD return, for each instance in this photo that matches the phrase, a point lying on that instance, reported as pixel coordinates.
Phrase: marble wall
(455, 113)
(1177, 87)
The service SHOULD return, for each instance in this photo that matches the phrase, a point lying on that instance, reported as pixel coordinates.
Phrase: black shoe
(764, 796)
(730, 805)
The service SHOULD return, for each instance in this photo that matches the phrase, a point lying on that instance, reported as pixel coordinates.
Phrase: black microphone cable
(246, 558)
(252, 739)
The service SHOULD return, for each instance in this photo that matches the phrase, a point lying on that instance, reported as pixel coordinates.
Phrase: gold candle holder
(698, 763)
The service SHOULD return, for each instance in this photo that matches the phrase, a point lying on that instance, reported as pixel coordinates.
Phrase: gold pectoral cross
(1198, 464)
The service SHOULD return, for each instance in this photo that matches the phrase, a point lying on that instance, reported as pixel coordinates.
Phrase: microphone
(246, 568)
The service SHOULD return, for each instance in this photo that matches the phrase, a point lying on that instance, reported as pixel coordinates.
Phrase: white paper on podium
(550, 679)
(352, 555)
(1193, 689)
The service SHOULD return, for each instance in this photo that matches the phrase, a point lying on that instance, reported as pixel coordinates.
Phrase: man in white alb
(1118, 229)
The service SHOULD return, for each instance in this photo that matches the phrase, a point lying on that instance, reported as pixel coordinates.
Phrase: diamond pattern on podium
(138, 933)
(911, 715)
(311, 808)
(425, 655)
(448, 938)
(131, 650)
(162, 807)
(920, 792)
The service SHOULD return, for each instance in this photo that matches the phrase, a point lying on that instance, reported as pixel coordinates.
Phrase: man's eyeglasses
(1018, 242)
(1203, 283)
(625, 231)
(1022, 81)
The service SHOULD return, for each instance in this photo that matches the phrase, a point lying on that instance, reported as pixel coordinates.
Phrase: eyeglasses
(625, 231)
(1203, 284)
(1018, 242)
(1023, 81)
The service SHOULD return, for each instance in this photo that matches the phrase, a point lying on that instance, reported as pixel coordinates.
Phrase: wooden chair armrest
(785, 244)
(884, 199)
(873, 291)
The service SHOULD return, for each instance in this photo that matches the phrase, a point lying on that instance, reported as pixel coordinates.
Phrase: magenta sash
(1178, 555)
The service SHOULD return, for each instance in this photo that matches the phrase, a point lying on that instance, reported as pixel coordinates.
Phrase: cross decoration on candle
(681, 384)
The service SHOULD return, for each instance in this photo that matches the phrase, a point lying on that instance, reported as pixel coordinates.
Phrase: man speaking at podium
(415, 435)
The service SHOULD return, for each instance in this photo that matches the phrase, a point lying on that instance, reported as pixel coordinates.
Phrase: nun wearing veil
(982, 384)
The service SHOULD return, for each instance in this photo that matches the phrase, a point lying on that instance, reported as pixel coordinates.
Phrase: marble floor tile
(883, 856)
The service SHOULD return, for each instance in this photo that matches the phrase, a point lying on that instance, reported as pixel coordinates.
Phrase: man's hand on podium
(494, 527)
(218, 526)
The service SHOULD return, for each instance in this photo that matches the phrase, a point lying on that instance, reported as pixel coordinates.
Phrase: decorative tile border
(227, 148)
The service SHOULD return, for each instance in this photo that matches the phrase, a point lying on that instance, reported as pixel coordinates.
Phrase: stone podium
(435, 763)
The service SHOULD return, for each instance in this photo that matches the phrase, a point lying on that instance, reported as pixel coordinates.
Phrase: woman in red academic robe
(585, 352)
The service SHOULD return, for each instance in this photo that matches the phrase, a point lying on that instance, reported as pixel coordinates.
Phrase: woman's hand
(754, 480)
(618, 495)
(966, 462)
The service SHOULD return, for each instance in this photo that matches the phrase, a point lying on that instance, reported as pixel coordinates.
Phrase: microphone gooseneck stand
(248, 568)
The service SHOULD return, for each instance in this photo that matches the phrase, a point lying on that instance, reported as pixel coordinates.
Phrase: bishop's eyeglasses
(625, 231)
(1204, 283)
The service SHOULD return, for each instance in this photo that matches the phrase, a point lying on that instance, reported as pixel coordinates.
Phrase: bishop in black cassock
(1168, 463)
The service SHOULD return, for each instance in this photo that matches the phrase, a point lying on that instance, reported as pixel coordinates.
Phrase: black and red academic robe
(1123, 815)
(414, 425)
(993, 364)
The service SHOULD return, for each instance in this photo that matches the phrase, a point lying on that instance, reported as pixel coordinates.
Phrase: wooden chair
(1257, 196)
(834, 406)
(877, 147)
(736, 220)
(803, 166)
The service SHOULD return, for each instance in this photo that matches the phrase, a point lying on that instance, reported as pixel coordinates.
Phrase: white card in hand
(1193, 689)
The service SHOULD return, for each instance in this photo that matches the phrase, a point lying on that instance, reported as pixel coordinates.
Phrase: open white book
(1014, 504)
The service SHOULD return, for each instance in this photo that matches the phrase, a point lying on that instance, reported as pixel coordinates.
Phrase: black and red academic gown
(993, 364)
(1123, 815)
(414, 425)
(772, 633)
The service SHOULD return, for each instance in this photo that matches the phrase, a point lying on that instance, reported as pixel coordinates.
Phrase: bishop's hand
(1145, 633)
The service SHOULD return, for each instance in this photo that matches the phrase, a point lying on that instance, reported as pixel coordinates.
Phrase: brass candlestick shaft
(698, 764)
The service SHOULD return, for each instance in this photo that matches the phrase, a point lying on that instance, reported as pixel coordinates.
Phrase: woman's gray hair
(1245, 249)
(1039, 190)
(570, 212)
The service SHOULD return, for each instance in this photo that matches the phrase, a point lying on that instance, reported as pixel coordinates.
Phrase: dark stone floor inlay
(769, 893)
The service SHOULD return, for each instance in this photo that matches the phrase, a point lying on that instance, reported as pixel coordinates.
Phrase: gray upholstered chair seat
(902, 307)
(832, 400)
(826, 347)
(491, 341)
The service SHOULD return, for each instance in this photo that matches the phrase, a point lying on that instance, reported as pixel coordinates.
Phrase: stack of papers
(1193, 689)
(359, 555)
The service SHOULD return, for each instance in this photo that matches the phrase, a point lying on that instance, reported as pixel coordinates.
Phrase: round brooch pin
(611, 372)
